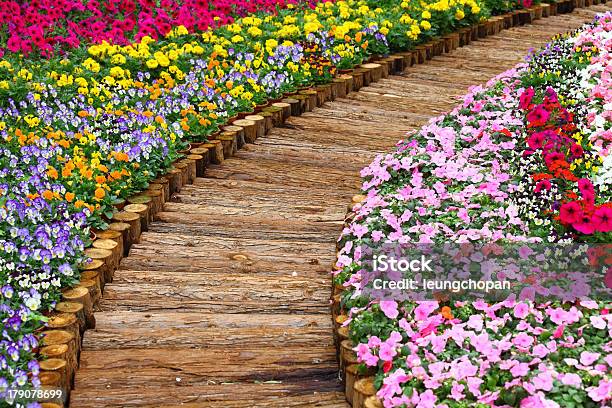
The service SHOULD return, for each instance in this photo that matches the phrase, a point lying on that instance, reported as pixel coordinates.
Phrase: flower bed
(45, 26)
(524, 159)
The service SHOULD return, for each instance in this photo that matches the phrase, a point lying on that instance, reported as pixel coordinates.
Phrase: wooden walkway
(225, 301)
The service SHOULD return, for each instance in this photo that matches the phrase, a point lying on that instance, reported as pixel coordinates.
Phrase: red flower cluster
(48, 25)
(549, 131)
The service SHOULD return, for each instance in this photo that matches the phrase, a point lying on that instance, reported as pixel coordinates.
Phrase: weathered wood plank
(214, 338)
(210, 268)
(196, 320)
(228, 395)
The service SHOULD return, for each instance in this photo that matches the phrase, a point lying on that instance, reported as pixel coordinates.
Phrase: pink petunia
(387, 352)
(389, 308)
(520, 370)
(603, 392)
(521, 310)
(424, 309)
(523, 340)
(571, 379)
(587, 358)
(540, 351)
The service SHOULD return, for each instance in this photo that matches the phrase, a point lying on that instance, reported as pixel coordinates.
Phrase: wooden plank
(228, 395)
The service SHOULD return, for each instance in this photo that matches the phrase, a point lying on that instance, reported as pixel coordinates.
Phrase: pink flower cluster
(506, 344)
(46, 25)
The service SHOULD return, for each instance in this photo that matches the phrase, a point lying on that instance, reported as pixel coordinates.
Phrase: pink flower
(543, 381)
(457, 391)
(598, 322)
(520, 370)
(571, 379)
(427, 400)
(538, 401)
(540, 351)
(474, 384)
(588, 358)
(392, 384)
(359, 230)
(602, 392)
(364, 354)
(389, 308)
(466, 369)
(523, 340)
(557, 315)
(521, 310)
(424, 309)
(387, 352)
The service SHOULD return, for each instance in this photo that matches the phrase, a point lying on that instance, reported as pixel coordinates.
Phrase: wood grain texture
(224, 302)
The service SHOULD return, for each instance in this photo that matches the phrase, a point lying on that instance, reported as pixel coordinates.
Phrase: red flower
(387, 366)
(577, 150)
(541, 176)
(570, 213)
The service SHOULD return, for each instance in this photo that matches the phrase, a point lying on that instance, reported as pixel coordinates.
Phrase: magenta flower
(585, 225)
(538, 116)
(602, 219)
(570, 213)
(543, 185)
(525, 98)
